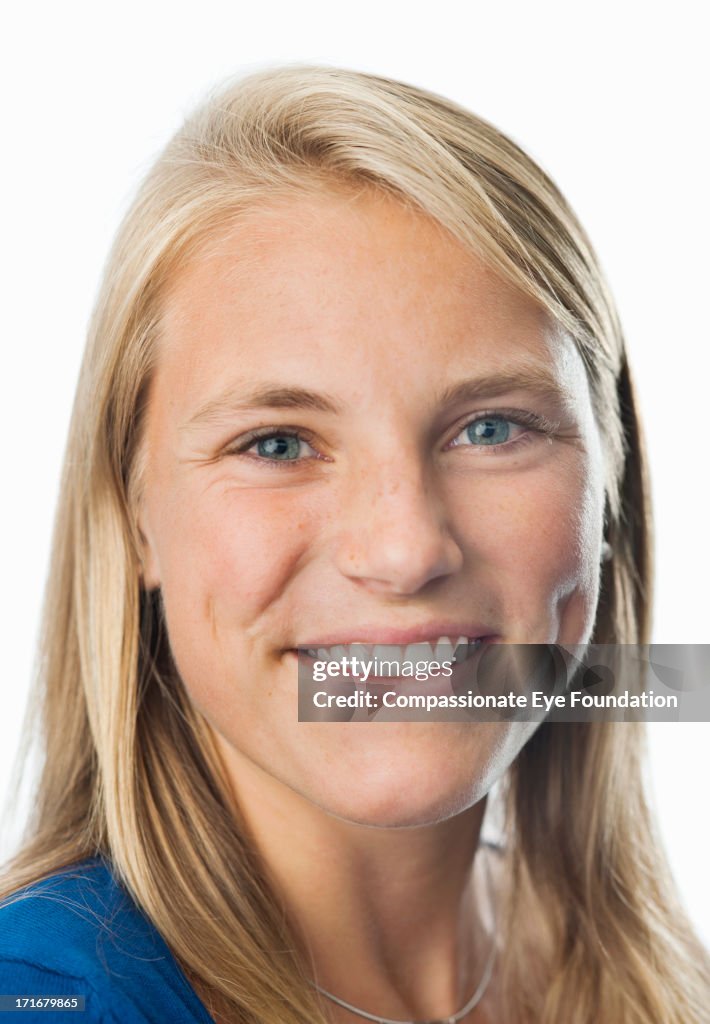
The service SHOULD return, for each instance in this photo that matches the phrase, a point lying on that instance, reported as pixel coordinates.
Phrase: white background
(610, 98)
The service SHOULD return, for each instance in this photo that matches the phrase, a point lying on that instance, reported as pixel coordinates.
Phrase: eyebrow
(535, 379)
(265, 396)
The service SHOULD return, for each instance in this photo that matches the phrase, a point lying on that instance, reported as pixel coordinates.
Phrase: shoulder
(78, 933)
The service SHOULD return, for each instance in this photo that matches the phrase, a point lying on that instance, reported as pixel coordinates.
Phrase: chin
(400, 813)
(413, 774)
(392, 799)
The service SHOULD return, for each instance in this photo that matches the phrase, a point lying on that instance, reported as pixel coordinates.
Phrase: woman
(354, 376)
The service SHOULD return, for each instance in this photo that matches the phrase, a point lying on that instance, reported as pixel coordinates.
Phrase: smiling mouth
(452, 649)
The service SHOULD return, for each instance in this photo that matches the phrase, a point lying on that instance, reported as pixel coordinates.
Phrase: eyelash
(536, 423)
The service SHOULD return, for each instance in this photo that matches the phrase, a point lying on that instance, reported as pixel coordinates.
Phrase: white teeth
(461, 649)
(413, 652)
(443, 649)
(387, 652)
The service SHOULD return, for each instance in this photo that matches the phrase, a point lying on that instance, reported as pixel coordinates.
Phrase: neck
(389, 916)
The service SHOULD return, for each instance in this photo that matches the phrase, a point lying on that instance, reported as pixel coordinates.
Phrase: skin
(391, 516)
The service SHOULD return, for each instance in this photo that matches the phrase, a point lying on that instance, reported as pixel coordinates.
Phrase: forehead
(347, 282)
(315, 243)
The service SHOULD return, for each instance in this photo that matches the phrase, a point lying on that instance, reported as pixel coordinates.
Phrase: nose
(394, 535)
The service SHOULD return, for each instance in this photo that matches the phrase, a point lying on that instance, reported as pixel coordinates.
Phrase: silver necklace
(453, 1019)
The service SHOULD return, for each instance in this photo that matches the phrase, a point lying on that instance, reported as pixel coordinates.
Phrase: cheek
(230, 551)
(533, 540)
(225, 554)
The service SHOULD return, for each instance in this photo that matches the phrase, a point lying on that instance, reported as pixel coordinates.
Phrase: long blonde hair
(129, 768)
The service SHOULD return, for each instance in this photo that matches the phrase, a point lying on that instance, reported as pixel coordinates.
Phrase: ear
(149, 572)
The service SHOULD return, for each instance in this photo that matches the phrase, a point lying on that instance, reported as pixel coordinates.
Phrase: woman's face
(358, 432)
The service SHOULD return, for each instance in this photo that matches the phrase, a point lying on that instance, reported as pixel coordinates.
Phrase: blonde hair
(130, 770)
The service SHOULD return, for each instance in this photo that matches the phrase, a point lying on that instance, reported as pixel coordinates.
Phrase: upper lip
(426, 631)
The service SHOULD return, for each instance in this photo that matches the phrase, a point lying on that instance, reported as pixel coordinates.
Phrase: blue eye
(489, 430)
(283, 446)
(492, 430)
(279, 447)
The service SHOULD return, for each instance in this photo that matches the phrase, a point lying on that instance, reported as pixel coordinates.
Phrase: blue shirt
(78, 933)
